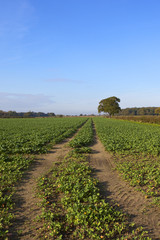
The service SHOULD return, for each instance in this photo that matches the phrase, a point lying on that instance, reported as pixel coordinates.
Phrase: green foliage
(33, 135)
(142, 173)
(157, 111)
(71, 203)
(128, 137)
(80, 213)
(21, 136)
(136, 149)
(84, 136)
(14, 114)
(138, 111)
(109, 105)
(11, 169)
(144, 119)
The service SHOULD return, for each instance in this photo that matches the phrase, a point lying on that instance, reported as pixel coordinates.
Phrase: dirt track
(115, 189)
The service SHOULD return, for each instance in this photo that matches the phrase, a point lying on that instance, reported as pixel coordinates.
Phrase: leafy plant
(19, 137)
(71, 201)
(136, 148)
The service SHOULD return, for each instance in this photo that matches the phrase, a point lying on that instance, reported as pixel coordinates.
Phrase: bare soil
(114, 189)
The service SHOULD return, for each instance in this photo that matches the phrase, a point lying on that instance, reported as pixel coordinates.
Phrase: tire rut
(116, 190)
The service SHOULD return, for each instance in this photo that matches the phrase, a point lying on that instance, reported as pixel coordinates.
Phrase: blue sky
(64, 56)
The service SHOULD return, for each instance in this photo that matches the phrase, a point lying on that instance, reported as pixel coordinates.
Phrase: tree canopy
(157, 111)
(138, 111)
(109, 105)
(14, 114)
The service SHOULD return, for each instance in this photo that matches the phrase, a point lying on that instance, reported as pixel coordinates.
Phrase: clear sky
(64, 56)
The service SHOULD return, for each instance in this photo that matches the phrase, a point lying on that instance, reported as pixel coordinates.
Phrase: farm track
(116, 190)
(26, 208)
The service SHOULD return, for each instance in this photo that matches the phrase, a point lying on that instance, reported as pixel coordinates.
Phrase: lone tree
(109, 105)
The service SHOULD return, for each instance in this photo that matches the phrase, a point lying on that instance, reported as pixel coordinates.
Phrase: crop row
(11, 170)
(20, 136)
(135, 147)
(72, 207)
(84, 138)
(142, 173)
(32, 135)
(128, 137)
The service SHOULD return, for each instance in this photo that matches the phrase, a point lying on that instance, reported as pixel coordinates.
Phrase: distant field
(145, 119)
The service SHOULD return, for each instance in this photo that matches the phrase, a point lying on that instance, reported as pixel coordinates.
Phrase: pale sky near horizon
(64, 56)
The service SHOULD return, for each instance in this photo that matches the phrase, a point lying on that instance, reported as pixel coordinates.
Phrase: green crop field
(136, 148)
(81, 213)
(71, 202)
(19, 138)
(128, 137)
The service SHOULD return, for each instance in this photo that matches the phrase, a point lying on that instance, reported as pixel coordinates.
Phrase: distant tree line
(138, 111)
(30, 114)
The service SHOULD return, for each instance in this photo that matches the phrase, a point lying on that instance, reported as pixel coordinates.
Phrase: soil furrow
(115, 189)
